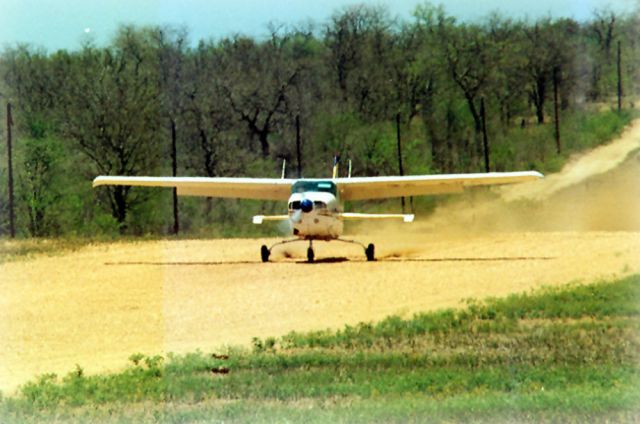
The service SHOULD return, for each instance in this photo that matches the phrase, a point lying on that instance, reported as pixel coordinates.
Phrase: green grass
(11, 250)
(568, 354)
(27, 248)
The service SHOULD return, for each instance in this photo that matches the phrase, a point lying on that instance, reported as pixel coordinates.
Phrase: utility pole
(12, 218)
(556, 112)
(401, 169)
(174, 167)
(485, 140)
(298, 152)
(619, 63)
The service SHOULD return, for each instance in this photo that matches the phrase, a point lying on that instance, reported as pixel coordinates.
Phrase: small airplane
(314, 204)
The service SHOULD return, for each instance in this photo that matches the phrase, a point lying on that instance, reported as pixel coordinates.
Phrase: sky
(66, 24)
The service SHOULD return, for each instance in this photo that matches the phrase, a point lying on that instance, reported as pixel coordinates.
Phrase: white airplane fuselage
(315, 215)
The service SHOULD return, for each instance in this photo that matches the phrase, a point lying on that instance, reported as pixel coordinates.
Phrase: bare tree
(170, 48)
(255, 79)
(603, 32)
(362, 51)
(547, 51)
(110, 111)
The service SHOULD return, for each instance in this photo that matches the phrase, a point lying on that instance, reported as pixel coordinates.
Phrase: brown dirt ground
(97, 306)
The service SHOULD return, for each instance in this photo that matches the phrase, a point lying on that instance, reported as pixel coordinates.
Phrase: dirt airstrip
(96, 306)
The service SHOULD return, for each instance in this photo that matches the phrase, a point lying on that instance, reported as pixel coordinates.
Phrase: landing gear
(310, 253)
(265, 253)
(370, 252)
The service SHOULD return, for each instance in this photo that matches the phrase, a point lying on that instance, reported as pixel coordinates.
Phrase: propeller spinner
(306, 205)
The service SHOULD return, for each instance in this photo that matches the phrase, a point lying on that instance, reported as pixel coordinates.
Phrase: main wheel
(370, 252)
(310, 255)
(264, 253)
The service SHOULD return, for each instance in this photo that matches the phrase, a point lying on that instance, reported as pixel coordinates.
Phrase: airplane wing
(358, 188)
(239, 188)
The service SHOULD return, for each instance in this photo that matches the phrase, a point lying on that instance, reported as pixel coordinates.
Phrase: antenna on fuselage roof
(336, 161)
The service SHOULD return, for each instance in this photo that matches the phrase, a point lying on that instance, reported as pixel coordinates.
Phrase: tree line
(152, 102)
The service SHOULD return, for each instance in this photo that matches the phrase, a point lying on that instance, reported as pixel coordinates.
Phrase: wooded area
(464, 96)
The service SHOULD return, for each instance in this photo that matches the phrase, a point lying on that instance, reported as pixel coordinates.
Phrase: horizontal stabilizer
(354, 216)
(258, 219)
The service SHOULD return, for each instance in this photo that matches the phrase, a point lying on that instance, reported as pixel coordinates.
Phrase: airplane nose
(306, 205)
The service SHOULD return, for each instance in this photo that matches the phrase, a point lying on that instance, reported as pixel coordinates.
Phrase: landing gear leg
(370, 252)
(310, 254)
(265, 253)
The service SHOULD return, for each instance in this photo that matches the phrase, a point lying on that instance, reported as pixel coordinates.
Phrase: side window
(319, 205)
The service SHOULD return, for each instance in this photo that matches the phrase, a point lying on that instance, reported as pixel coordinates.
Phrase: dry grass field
(98, 305)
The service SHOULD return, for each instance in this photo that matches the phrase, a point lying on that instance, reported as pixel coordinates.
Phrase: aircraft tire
(310, 255)
(264, 253)
(370, 252)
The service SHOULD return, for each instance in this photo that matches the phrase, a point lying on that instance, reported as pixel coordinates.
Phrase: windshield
(305, 185)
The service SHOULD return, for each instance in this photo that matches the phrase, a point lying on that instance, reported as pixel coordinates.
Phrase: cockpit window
(305, 185)
(294, 205)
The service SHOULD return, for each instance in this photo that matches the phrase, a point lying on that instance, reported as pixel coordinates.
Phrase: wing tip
(97, 181)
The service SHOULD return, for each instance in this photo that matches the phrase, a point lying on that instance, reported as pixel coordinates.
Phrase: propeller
(296, 216)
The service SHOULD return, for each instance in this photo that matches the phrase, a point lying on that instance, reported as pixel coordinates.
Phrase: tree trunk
(400, 167)
(474, 113)
(436, 158)
(209, 162)
(120, 210)
(264, 142)
(477, 120)
(485, 139)
(539, 97)
(556, 113)
(298, 147)
(12, 222)
(449, 144)
(174, 167)
(619, 69)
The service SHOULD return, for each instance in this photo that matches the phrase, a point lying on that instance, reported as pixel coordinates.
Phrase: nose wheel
(310, 254)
